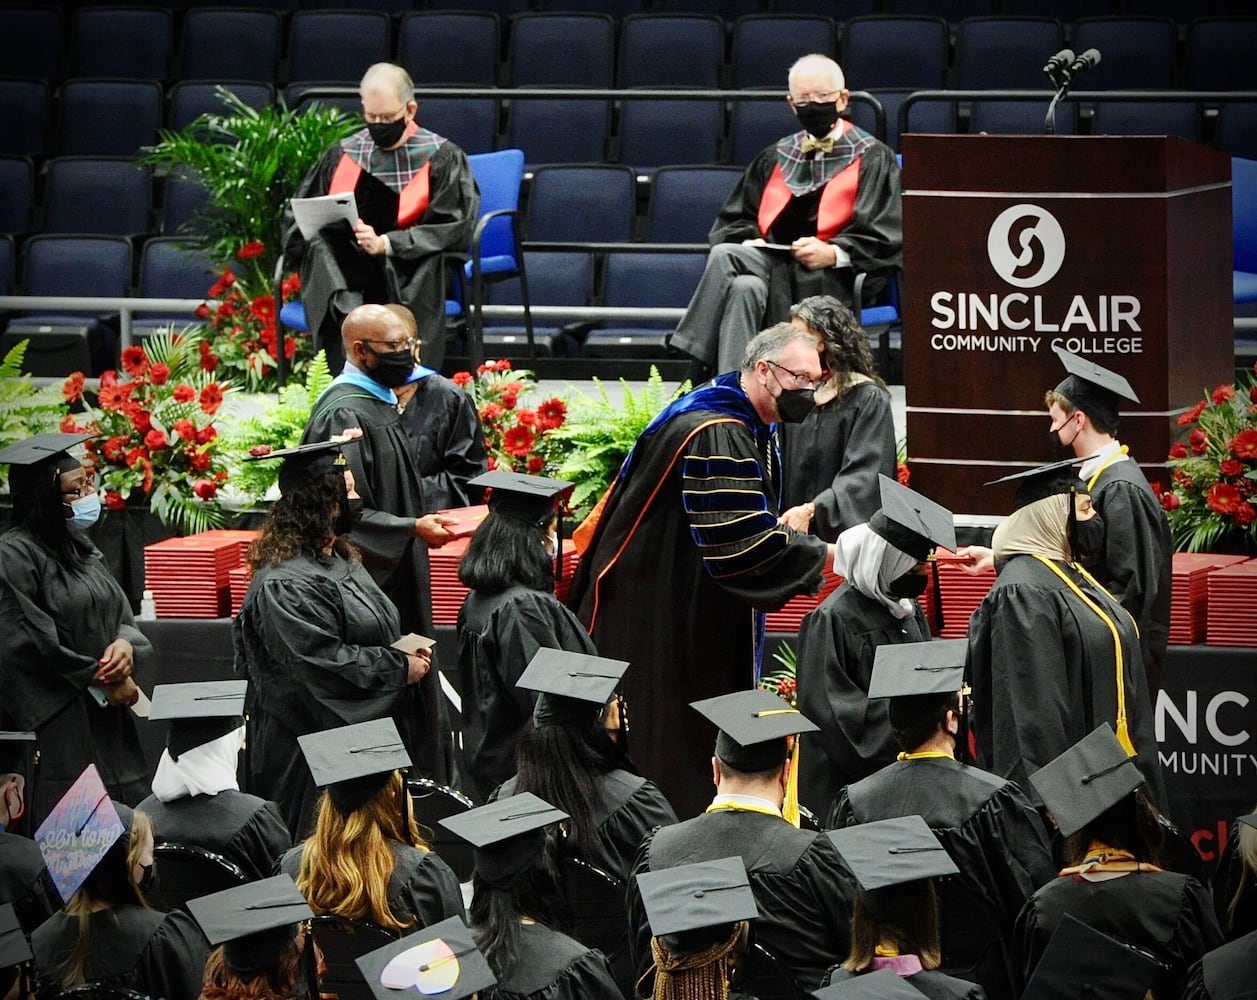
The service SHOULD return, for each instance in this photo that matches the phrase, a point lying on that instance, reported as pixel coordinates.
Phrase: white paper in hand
(312, 214)
(413, 643)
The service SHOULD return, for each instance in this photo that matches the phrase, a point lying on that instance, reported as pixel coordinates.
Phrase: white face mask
(84, 512)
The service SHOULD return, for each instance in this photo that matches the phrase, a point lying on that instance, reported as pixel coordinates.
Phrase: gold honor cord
(790, 804)
(742, 807)
(1123, 733)
(1105, 464)
(925, 755)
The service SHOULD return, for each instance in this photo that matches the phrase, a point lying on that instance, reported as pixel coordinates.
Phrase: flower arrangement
(782, 682)
(1212, 500)
(517, 438)
(152, 432)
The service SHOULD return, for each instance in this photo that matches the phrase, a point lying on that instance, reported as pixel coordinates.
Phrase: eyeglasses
(826, 98)
(801, 380)
(409, 344)
(392, 116)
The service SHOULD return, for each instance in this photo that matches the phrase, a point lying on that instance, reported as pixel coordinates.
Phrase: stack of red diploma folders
(790, 617)
(190, 576)
(961, 591)
(1189, 597)
(1230, 620)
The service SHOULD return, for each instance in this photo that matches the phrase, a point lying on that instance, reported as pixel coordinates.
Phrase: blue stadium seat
(1136, 52)
(753, 125)
(126, 43)
(108, 117)
(184, 195)
(26, 110)
(449, 47)
(1183, 118)
(684, 202)
(31, 41)
(766, 45)
(643, 280)
(336, 46)
(931, 116)
(654, 133)
(1219, 54)
(880, 51)
(1005, 52)
(561, 49)
(169, 271)
(187, 100)
(1011, 117)
(228, 43)
(472, 122)
(594, 203)
(554, 279)
(110, 196)
(661, 50)
(559, 130)
(1235, 131)
(17, 194)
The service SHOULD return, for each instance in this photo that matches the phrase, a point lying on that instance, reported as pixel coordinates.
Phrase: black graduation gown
(873, 238)
(992, 832)
(800, 884)
(654, 601)
(423, 888)
(1226, 973)
(242, 828)
(58, 620)
(1226, 882)
(931, 983)
(387, 479)
(1137, 564)
(442, 422)
(1167, 915)
(497, 636)
(25, 882)
(553, 966)
(627, 809)
(312, 637)
(837, 643)
(834, 456)
(414, 273)
(158, 954)
(1043, 672)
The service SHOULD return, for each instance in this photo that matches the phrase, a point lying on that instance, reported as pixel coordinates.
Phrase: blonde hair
(703, 975)
(1246, 853)
(901, 914)
(347, 862)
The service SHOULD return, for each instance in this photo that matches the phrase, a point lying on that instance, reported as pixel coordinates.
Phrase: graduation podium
(1117, 248)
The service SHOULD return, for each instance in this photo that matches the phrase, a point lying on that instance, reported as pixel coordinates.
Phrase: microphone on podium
(1059, 63)
(1085, 61)
(1061, 69)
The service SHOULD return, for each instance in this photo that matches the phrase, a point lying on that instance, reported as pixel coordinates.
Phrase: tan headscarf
(1038, 528)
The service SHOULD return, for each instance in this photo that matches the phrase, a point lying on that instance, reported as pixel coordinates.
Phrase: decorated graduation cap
(936, 666)
(255, 923)
(441, 960)
(354, 762)
(533, 499)
(1044, 481)
(75, 837)
(509, 835)
(1093, 389)
(573, 687)
(883, 984)
(753, 728)
(1249, 820)
(305, 461)
(692, 906)
(910, 521)
(891, 852)
(1080, 961)
(1088, 778)
(42, 455)
(198, 712)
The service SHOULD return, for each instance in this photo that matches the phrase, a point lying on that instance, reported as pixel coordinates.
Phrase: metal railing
(126, 307)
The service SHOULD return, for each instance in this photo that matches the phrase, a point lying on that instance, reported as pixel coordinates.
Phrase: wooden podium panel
(1117, 248)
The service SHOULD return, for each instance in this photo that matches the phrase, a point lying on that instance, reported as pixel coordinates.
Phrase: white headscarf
(869, 563)
(204, 770)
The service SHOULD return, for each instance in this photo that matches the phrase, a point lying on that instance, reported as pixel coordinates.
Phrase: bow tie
(811, 144)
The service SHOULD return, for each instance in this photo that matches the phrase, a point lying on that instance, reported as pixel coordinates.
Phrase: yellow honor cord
(1104, 465)
(925, 755)
(790, 805)
(1123, 732)
(742, 807)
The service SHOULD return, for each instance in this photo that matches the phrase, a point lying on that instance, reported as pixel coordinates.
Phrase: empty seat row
(470, 47)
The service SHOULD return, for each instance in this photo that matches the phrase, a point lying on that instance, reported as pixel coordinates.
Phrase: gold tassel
(790, 807)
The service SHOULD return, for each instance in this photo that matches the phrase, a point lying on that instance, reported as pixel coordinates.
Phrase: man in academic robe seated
(416, 198)
(689, 553)
(24, 879)
(801, 887)
(196, 798)
(987, 824)
(811, 212)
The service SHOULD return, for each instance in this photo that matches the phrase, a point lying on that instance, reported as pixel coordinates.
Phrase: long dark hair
(560, 764)
(506, 552)
(846, 347)
(1132, 824)
(906, 914)
(300, 523)
(495, 913)
(37, 507)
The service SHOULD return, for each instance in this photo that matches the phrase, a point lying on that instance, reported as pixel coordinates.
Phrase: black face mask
(387, 134)
(908, 585)
(393, 368)
(1086, 540)
(818, 119)
(350, 513)
(793, 405)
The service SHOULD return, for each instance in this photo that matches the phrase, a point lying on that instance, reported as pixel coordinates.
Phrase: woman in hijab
(884, 565)
(1051, 653)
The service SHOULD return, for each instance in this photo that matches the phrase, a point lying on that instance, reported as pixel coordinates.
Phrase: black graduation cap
(753, 728)
(16, 752)
(255, 923)
(891, 852)
(306, 461)
(936, 666)
(910, 521)
(1044, 481)
(42, 455)
(1088, 778)
(880, 985)
(574, 687)
(14, 948)
(533, 499)
(1094, 390)
(508, 835)
(1080, 961)
(198, 712)
(354, 762)
(75, 837)
(441, 960)
(697, 897)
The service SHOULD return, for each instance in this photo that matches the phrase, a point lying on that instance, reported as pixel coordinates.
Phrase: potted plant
(250, 162)
(517, 437)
